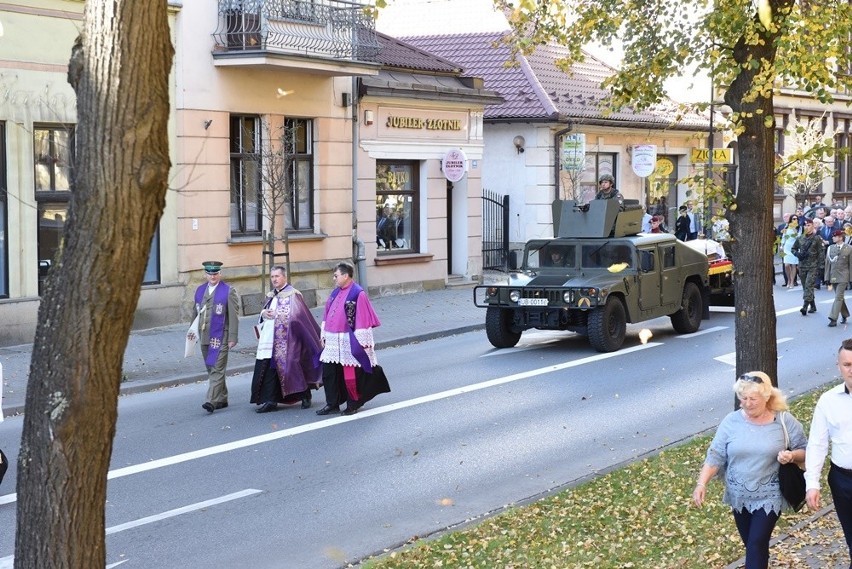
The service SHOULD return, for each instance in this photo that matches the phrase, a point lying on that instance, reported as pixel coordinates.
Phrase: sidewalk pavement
(154, 359)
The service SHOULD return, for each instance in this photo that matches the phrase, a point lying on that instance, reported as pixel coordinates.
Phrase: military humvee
(595, 276)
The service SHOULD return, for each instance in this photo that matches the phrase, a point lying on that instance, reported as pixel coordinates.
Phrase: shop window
(661, 187)
(246, 206)
(397, 196)
(53, 149)
(300, 196)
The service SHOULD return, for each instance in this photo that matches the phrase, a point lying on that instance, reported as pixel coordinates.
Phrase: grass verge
(638, 516)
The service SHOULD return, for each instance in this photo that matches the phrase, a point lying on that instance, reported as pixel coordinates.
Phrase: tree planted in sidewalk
(119, 69)
(279, 179)
(749, 48)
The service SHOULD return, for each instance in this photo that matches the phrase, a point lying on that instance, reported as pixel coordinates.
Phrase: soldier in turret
(608, 190)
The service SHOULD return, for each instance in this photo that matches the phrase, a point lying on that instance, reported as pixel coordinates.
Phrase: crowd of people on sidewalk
(755, 444)
(816, 250)
(294, 354)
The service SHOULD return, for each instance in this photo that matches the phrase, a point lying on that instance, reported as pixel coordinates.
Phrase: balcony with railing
(324, 31)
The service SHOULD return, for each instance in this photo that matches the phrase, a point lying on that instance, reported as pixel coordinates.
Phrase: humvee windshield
(608, 254)
(552, 255)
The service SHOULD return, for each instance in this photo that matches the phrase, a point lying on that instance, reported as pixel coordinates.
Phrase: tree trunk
(751, 215)
(119, 69)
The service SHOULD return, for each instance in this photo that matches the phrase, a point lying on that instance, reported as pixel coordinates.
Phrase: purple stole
(350, 305)
(217, 318)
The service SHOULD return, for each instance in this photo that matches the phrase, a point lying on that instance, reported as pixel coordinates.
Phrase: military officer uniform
(216, 306)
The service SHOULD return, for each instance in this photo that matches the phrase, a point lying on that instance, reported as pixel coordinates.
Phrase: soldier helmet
(607, 178)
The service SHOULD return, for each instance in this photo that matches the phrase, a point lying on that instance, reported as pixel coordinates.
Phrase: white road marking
(183, 510)
(728, 309)
(267, 437)
(731, 358)
(8, 561)
(524, 348)
(702, 332)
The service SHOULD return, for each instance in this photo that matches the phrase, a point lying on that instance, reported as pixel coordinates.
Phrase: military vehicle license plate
(532, 302)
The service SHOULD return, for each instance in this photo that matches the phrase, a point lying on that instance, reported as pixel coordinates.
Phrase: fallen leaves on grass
(637, 516)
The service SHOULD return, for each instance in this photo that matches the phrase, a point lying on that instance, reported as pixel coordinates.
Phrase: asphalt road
(466, 431)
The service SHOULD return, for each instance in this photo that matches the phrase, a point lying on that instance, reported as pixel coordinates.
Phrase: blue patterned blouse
(747, 456)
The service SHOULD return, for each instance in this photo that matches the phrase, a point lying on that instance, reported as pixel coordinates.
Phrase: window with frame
(300, 180)
(246, 199)
(842, 155)
(4, 218)
(53, 151)
(397, 196)
(780, 132)
(597, 164)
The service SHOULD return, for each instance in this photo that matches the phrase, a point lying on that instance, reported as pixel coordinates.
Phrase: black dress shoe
(329, 409)
(207, 406)
(306, 401)
(843, 320)
(350, 410)
(267, 407)
(832, 323)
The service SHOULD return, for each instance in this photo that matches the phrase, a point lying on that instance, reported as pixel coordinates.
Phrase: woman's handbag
(791, 478)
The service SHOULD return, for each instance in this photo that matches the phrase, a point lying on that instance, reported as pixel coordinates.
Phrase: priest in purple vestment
(287, 365)
(348, 356)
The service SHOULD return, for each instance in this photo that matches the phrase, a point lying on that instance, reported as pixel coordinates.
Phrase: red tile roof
(535, 89)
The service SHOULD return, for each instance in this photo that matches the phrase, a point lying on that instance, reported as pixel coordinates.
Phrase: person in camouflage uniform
(811, 254)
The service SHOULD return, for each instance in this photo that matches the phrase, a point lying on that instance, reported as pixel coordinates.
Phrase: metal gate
(495, 231)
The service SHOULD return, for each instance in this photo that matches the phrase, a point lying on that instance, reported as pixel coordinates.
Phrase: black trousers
(334, 385)
(840, 482)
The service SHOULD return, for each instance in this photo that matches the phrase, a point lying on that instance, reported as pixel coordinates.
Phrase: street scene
(466, 430)
(425, 283)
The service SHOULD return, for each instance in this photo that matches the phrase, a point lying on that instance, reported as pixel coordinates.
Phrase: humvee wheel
(498, 327)
(688, 319)
(607, 326)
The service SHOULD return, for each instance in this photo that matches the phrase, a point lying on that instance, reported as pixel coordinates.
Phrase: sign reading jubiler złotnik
(454, 164)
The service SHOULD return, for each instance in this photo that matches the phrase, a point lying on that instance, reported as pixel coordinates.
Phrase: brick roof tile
(534, 88)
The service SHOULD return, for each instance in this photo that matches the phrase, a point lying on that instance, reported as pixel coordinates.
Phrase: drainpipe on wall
(359, 249)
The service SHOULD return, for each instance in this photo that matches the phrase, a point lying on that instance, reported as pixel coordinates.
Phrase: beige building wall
(797, 109)
(210, 91)
(34, 54)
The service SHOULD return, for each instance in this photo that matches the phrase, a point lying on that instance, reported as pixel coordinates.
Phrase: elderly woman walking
(747, 449)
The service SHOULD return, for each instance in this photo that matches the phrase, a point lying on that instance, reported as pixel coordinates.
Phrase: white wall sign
(573, 152)
(644, 159)
(454, 164)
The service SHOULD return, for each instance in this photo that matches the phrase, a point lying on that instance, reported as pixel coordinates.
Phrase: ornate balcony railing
(320, 28)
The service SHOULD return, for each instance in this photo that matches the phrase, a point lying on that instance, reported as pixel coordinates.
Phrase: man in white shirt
(694, 225)
(832, 423)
